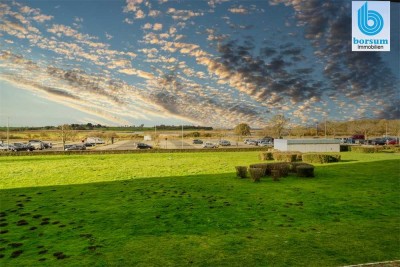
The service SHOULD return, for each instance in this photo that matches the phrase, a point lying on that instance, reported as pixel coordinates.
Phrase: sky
(194, 62)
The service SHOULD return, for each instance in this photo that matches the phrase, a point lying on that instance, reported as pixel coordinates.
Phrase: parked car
(210, 145)
(74, 147)
(94, 140)
(224, 143)
(378, 141)
(47, 145)
(252, 142)
(197, 141)
(392, 141)
(265, 143)
(36, 144)
(143, 146)
(5, 147)
(23, 147)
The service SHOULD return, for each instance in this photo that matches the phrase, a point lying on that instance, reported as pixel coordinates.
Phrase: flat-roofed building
(307, 145)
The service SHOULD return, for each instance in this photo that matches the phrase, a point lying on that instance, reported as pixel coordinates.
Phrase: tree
(278, 124)
(66, 133)
(242, 129)
(364, 126)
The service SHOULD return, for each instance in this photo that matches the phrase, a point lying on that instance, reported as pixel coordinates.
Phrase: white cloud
(42, 18)
(157, 27)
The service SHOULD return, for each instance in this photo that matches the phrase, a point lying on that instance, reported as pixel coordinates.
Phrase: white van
(94, 140)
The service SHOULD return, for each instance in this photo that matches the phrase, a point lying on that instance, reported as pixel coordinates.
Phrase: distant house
(307, 145)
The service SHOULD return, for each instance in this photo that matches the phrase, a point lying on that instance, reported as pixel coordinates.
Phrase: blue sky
(214, 62)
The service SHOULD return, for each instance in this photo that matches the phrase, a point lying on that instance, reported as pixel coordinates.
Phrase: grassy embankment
(193, 211)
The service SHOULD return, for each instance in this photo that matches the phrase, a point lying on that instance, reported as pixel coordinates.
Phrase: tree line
(280, 126)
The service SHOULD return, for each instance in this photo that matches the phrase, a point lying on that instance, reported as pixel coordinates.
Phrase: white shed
(307, 145)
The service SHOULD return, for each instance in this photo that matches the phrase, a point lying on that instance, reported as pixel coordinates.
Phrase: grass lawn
(96, 210)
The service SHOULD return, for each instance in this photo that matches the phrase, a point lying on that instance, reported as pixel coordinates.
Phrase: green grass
(194, 212)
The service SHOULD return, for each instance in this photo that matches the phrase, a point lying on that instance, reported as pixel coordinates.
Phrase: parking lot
(165, 144)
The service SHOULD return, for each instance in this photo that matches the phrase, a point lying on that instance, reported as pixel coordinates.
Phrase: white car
(209, 145)
(36, 144)
(5, 147)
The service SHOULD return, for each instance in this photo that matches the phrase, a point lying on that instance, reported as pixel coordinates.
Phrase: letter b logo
(365, 16)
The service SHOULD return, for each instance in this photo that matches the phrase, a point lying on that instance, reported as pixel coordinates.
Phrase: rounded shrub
(263, 166)
(241, 171)
(266, 156)
(256, 174)
(293, 166)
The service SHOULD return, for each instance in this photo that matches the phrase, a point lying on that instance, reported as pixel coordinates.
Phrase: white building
(307, 145)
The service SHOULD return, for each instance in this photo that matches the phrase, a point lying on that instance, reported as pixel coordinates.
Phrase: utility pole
(325, 127)
(8, 131)
(155, 135)
(182, 137)
(63, 137)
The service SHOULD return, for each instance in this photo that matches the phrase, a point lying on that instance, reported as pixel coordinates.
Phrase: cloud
(128, 21)
(140, 14)
(42, 18)
(183, 14)
(328, 27)
(238, 10)
(157, 27)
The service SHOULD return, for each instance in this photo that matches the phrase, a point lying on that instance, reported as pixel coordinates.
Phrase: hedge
(320, 158)
(266, 155)
(263, 166)
(133, 151)
(293, 166)
(366, 149)
(287, 156)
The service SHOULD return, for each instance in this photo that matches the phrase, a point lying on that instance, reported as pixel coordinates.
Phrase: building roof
(310, 141)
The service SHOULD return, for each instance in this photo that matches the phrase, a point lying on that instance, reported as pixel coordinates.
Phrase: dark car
(143, 146)
(47, 145)
(378, 141)
(74, 147)
(23, 147)
(197, 141)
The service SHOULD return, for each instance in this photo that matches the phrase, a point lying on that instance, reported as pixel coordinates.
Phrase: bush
(266, 156)
(282, 167)
(293, 166)
(320, 158)
(366, 149)
(305, 171)
(286, 156)
(256, 174)
(241, 171)
(263, 166)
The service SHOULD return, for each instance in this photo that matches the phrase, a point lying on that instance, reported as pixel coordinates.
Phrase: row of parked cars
(360, 139)
(266, 141)
(210, 144)
(30, 146)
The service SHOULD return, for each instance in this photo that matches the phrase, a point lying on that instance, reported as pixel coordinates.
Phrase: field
(191, 210)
